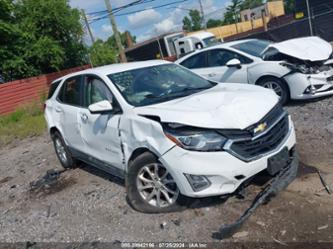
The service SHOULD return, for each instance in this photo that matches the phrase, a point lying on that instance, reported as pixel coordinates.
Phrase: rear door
(100, 131)
(66, 111)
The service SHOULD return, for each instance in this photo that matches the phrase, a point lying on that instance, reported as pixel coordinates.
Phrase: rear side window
(52, 89)
(195, 61)
(70, 92)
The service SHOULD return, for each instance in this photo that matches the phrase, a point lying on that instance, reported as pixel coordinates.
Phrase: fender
(266, 68)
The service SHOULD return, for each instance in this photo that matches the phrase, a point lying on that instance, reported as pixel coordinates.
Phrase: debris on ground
(278, 183)
(50, 178)
(324, 182)
(240, 235)
(323, 227)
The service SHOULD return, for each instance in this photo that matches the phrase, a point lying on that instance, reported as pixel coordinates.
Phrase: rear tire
(151, 188)
(66, 159)
(278, 86)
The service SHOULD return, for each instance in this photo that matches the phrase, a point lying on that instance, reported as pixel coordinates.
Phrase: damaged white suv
(168, 132)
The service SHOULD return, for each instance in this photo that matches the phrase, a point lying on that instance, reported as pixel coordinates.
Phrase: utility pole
(310, 17)
(90, 34)
(115, 31)
(88, 26)
(203, 15)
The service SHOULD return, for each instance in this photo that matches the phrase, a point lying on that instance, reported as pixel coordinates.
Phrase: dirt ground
(88, 205)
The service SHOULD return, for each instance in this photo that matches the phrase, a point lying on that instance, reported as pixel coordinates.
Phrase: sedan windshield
(157, 84)
(254, 47)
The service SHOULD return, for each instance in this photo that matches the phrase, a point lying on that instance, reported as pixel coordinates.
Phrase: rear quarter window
(52, 89)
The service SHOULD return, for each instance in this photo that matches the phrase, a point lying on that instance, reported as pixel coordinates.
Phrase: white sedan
(300, 68)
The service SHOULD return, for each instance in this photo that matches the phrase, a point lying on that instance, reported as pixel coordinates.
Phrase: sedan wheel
(278, 86)
(274, 86)
(156, 186)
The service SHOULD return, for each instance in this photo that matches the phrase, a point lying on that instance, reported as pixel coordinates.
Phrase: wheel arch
(137, 152)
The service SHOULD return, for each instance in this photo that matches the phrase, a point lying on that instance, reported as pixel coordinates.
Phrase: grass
(26, 121)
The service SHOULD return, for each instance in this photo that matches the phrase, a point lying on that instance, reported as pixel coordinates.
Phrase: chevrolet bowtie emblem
(260, 128)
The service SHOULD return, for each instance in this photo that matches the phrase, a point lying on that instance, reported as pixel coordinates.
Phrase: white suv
(168, 132)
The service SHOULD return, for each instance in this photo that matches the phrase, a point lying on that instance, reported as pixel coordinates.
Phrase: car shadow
(102, 174)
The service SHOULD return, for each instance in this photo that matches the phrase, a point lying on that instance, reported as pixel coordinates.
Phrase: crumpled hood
(309, 48)
(225, 106)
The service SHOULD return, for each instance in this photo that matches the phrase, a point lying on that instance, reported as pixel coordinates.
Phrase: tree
(193, 22)
(289, 6)
(112, 40)
(101, 53)
(250, 4)
(212, 23)
(39, 36)
(232, 11)
(187, 24)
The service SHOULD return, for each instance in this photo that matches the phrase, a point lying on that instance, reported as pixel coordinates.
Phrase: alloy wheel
(60, 148)
(274, 86)
(156, 186)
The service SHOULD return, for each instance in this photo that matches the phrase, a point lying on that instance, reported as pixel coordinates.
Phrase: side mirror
(234, 63)
(100, 107)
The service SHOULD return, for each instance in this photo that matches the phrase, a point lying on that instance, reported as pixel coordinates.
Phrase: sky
(150, 22)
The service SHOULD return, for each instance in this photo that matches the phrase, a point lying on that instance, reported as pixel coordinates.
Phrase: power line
(115, 10)
(137, 11)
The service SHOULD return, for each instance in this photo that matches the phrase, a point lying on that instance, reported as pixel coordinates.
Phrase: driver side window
(96, 90)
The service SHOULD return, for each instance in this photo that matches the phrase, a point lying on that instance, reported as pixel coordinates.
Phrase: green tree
(193, 22)
(250, 4)
(101, 53)
(112, 40)
(187, 24)
(289, 6)
(212, 23)
(39, 36)
(232, 12)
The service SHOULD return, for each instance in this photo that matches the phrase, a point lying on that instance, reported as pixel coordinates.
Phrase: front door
(217, 70)
(100, 131)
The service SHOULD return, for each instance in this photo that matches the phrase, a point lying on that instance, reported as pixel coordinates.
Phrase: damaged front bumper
(223, 171)
(308, 86)
(277, 184)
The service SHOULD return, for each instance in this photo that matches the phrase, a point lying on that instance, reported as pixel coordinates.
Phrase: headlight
(197, 140)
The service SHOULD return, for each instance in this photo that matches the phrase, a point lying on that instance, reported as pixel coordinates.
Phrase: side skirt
(98, 163)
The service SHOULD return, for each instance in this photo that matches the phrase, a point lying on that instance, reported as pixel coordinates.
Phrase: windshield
(254, 48)
(211, 41)
(157, 84)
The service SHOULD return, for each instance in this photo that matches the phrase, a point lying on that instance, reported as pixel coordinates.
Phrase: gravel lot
(87, 205)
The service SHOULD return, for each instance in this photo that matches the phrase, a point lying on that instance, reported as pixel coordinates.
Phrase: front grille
(249, 149)
(269, 119)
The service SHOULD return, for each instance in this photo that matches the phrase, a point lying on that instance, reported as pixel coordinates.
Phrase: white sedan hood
(225, 106)
(309, 48)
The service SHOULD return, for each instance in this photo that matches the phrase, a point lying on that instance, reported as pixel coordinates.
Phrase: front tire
(278, 86)
(151, 188)
(62, 151)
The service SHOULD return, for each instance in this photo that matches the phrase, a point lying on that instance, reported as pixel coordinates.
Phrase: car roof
(223, 45)
(116, 68)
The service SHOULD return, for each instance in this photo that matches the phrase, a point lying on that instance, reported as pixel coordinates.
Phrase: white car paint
(113, 138)
(309, 48)
(306, 48)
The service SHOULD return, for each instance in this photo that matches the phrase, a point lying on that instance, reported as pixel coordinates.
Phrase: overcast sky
(149, 22)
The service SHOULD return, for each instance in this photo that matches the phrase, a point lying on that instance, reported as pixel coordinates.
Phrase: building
(269, 9)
